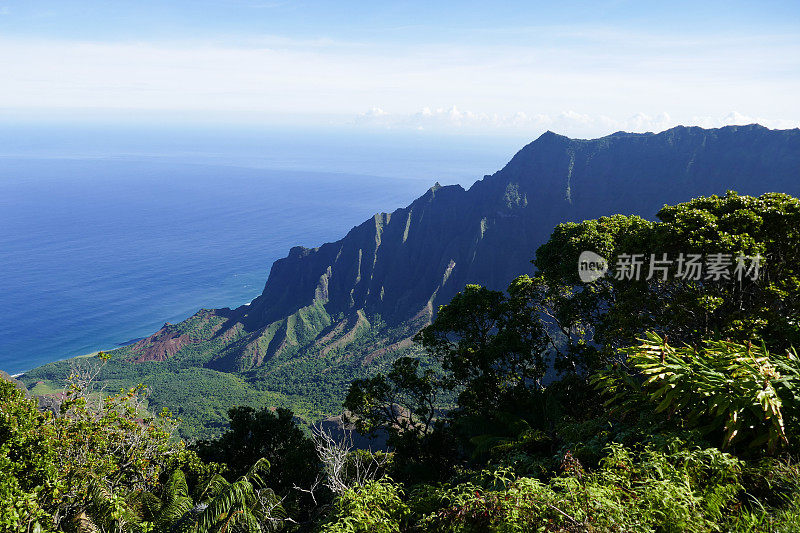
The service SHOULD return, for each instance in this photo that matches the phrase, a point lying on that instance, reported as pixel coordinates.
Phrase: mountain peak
(344, 306)
(549, 135)
(397, 269)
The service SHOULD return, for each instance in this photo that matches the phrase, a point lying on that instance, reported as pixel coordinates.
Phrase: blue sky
(580, 68)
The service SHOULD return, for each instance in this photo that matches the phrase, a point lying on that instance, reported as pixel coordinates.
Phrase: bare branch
(343, 469)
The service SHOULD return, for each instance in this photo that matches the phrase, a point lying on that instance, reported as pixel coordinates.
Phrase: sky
(579, 68)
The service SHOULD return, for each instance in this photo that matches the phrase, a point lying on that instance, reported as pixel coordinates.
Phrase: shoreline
(81, 356)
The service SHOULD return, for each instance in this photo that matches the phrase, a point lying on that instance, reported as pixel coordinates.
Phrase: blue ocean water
(98, 250)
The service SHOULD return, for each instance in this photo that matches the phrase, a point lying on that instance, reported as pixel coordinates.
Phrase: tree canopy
(661, 395)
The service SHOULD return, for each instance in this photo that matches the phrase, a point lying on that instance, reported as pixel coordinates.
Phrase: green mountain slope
(347, 308)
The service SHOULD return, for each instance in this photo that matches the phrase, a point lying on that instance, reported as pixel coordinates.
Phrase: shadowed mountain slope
(333, 310)
(402, 265)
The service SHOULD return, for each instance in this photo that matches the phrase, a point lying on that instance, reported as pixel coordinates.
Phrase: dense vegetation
(310, 383)
(347, 309)
(667, 403)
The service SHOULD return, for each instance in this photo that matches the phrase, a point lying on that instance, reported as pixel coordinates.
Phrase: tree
(244, 506)
(345, 467)
(272, 435)
(495, 347)
(104, 463)
(492, 345)
(374, 507)
(405, 404)
(108, 444)
(592, 321)
(402, 401)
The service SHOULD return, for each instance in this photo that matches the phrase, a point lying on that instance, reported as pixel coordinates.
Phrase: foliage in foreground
(739, 391)
(375, 506)
(573, 412)
(94, 445)
(103, 463)
(678, 489)
(730, 387)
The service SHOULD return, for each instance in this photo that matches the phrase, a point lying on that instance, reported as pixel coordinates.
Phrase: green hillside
(635, 403)
(347, 309)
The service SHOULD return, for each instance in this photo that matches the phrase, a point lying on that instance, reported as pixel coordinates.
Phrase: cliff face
(401, 266)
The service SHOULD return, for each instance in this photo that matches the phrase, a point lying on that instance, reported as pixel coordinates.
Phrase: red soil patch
(160, 346)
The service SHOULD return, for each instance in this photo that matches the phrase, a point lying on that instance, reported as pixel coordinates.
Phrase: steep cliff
(326, 314)
(403, 265)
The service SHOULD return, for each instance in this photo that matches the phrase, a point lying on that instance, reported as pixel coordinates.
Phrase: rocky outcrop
(402, 265)
(159, 346)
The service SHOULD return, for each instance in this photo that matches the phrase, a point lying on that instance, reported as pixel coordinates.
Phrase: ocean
(104, 240)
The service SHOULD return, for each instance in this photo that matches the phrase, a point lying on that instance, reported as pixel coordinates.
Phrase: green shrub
(28, 471)
(374, 507)
(737, 390)
(676, 488)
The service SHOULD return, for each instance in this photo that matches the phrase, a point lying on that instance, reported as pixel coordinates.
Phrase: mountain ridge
(347, 308)
(402, 265)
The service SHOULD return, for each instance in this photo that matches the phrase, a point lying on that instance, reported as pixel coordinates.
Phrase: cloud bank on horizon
(579, 68)
(568, 123)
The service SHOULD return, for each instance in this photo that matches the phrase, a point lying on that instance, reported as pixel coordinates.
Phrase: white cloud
(566, 122)
(579, 89)
(373, 112)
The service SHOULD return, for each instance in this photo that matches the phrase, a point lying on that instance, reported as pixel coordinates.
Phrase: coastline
(175, 272)
(82, 356)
